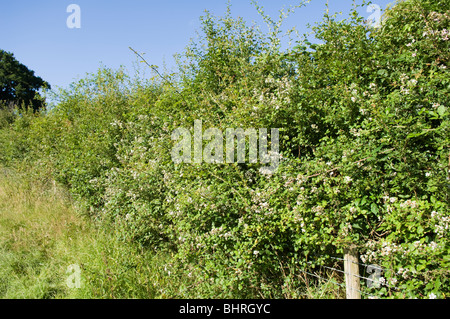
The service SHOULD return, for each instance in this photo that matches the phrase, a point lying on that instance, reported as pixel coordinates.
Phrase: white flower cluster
(346, 229)
(280, 96)
(439, 18)
(403, 78)
(442, 34)
(300, 179)
(261, 207)
(219, 232)
(406, 82)
(388, 199)
(435, 105)
(441, 223)
(354, 92)
(354, 131)
(259, 197)
(409, 203)
(404, 272)
(403, 90)
(346, 154)
(117, 123)
(177, 212)
(411, 43)
(389, 248)
(167, 268)
(412, 82)
(432, 245)
(436, 16)
(130, 194)
(370, 255)
(297, 216)
(373, 252)
(319, 210)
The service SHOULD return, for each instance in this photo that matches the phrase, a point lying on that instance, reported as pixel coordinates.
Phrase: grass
(35, 225)
(42, 235)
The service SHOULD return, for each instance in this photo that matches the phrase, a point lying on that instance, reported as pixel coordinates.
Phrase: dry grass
(38, 227)
(34, 213)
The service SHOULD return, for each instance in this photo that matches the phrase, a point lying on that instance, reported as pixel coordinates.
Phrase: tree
(18, 84)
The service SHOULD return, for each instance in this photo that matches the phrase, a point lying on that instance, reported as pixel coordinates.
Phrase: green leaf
(374, 208)
(441, 110)
(382, 72)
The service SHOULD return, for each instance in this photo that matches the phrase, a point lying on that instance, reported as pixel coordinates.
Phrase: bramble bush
(364, 149)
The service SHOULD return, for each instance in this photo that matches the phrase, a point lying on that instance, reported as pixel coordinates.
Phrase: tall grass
(36, 225)
(42, 234)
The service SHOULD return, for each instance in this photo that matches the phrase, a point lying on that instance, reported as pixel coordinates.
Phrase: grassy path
(47, 250)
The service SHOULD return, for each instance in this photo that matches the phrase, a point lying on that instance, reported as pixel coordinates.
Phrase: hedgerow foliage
(364, 143)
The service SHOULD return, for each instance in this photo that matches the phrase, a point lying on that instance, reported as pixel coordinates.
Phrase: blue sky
(37, 34)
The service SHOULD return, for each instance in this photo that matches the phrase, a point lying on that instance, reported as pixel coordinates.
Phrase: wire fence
(369, 275)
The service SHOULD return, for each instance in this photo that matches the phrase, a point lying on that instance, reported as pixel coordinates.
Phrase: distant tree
(18, 84)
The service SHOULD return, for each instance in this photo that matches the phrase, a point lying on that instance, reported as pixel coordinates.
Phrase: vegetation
(18, 84)
(42, 235)
(364, 142)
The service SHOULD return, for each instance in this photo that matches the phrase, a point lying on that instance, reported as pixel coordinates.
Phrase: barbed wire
(374, 266)
(361, 264)
(377, 282)
(334, 282)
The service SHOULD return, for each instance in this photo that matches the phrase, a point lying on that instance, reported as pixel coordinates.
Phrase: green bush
(364, 137)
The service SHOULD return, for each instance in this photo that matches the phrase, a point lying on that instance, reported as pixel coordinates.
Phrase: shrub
(363, 121)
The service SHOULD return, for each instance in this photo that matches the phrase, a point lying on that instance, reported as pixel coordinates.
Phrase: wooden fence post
(351, 269)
